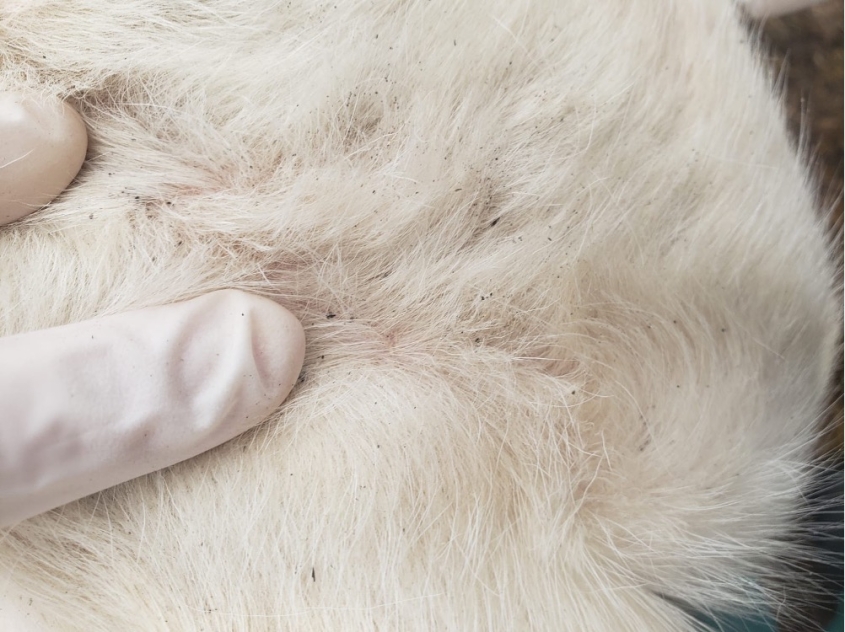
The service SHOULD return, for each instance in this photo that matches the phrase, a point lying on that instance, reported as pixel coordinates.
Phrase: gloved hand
(86, 406)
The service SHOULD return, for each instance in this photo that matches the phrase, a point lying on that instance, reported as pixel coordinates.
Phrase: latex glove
(89, 405)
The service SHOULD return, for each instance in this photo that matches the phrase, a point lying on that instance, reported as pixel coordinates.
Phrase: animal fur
(570, 312)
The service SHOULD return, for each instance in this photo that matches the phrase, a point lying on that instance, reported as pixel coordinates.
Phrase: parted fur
(570, 312)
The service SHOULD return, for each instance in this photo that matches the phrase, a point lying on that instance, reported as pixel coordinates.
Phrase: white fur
(570, 314)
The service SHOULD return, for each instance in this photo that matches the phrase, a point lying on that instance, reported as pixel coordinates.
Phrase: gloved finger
(90, 405)
(42, 147)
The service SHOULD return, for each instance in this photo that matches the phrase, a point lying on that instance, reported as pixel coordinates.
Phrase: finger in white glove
(93, 404)
(42, 147)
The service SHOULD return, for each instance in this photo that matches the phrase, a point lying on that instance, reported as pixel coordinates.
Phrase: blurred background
(805, 53)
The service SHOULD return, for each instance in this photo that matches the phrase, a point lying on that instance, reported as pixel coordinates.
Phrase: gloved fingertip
(99, 402)
(278, 346)
(42, 147)
(762, 9)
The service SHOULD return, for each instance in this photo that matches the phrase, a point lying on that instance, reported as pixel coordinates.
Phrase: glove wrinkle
(93, 404)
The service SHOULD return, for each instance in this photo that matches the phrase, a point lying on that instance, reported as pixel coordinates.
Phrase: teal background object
(838, 624)
(758, 625)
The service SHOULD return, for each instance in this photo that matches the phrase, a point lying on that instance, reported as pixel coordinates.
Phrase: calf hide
(570, 312)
